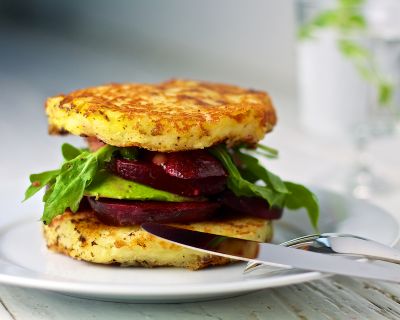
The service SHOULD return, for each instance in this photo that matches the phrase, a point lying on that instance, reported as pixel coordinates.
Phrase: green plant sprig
(346, 19)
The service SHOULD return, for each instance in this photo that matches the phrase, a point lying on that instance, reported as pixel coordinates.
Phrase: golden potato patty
(82, 236)
(172, 116)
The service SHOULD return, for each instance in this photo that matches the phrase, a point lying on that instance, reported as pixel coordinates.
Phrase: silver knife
(271, 254)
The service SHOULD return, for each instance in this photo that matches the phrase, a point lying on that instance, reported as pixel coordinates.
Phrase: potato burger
(179, 152)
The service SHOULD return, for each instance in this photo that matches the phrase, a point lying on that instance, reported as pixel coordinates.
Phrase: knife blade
(271, 254)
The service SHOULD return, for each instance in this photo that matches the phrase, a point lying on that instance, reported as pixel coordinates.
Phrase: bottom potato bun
(82, 236)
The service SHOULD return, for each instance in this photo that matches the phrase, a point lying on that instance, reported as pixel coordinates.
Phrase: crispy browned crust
(171, 116)
(83, 237)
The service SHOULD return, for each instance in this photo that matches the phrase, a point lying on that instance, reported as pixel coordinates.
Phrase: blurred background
(50, 47)
(69, 44)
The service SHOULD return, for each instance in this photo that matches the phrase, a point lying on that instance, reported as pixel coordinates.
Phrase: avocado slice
(106, 185)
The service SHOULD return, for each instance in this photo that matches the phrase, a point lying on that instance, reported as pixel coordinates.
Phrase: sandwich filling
(127, 186)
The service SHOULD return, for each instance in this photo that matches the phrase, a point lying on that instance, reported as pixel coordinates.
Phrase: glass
(349, 70)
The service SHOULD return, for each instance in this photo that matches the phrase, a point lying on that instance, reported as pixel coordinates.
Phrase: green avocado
(106, 185)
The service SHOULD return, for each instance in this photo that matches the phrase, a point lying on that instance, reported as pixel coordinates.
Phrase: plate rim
(157, 291)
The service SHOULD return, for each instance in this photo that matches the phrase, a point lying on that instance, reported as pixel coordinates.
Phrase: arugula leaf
(130, 153)
(48, 192)
(272, 151)
(40, 180)
(252, 164)
(242, 187)
(267, 152)
(248, 175)
(74, 176)
(300, 197)
(70, 152)
(276, 192)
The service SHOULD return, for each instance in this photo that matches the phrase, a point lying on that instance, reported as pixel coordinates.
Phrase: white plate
(25, 261)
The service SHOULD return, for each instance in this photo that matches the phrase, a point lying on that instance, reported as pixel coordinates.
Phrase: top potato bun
(176, 115)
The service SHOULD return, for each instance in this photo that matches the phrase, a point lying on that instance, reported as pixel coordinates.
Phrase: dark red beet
(253, 206)
(196, 164)
(127, 213)
(153, 175)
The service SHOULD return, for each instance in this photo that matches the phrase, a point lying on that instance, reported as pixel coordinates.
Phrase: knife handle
(350, 246)
(360, 247)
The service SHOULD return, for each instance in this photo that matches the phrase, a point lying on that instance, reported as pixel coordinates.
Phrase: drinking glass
(349, 76)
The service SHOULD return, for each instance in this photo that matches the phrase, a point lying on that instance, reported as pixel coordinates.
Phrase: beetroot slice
(196, 164)
(128, 213)
(253, 206)
(154, 176)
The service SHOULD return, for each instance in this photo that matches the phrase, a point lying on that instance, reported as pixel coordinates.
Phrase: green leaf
(300, 197)
(351, 3)
(129, 153)
(70, 152)
(109, 186)
(295, 197)
(248, 175)
(385, 93)
(354, 21)
(48, 191)
(305, 32)
(252, 164)
(242, 187)
(326, 18)
(39, 181)
(74, 176)
(344, 18)
(267, 151)
(353, 50)
(104, 154)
